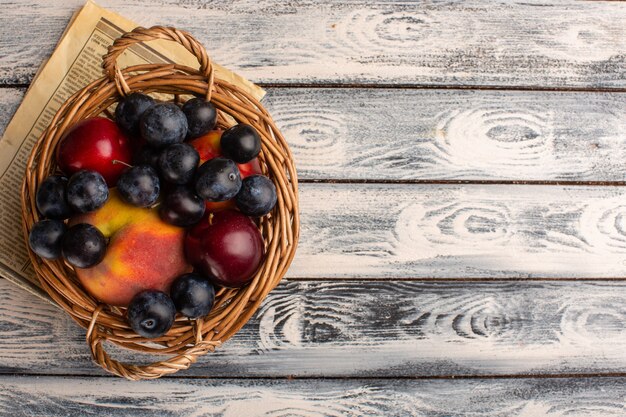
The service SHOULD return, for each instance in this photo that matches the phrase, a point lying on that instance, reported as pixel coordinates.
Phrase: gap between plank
(456, 182)
(392, 86)
(18, 85)
(405, 86)
(336, 378)
(447, 280)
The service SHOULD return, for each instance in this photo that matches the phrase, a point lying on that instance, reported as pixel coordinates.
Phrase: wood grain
(21, 396)
(461, 231)
(373, 329)
(380, 134)
(391, 134)
(327, 321)
(476, 43)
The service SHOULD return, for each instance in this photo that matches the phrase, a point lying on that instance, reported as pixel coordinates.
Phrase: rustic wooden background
(463, 246)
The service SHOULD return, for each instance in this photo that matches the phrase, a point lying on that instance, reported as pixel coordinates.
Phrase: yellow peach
(143, 252)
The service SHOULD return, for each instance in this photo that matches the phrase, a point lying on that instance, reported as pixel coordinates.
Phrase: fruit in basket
(208, 147)
(220, 205)
(241, 143)
(50, 199)
(182, 207)
(147, 155)
(201, 117)
(226, 246)
(143, 252)
(178, 163)
(193, 295)
(139, 186)
(95, 144)
(86, 191)
(163, 124)
(151, 313)
(83, 245)
(257, 196)
(45, 238)
(129, 111)
(218, 180)
(250, 168)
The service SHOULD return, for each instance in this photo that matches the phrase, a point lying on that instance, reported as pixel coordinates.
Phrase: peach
(143, 252)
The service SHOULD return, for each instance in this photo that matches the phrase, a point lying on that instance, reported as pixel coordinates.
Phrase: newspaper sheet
(75, 62)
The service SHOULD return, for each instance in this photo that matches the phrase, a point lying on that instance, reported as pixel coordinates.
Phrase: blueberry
(139, 186)
(45, 238)
(178, 163)
(193, 295)
(129, 111)
(241, 143)
(51, 200)
(257, 196)
(163, 124)
(148, 155)
(201, 117)
(86, 191)
(151, 313)
(182, 207)
(83, 245)
(218, 179)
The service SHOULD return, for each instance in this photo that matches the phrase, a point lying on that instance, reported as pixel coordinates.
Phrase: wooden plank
(373, 329)
(436, 398)
(557, 44)
(461, 231)
(397, 134)
(381, 134)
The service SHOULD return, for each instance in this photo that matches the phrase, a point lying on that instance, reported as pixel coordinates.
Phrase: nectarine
(143, 252)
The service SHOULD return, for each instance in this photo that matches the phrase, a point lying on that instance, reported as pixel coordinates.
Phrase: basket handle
(140, 34)
(150, 371)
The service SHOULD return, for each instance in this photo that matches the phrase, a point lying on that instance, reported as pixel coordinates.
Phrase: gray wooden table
(463, 245)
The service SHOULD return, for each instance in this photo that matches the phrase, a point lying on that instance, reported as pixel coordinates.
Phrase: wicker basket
(187, 339)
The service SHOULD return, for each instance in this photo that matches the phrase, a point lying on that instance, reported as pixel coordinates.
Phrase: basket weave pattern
(188, 339)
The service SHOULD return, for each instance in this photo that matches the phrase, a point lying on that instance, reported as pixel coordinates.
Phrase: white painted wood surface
(360, 301)
(537, 43)
(369, 329)
(461, 231)
(405, 134)
(324, 398)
